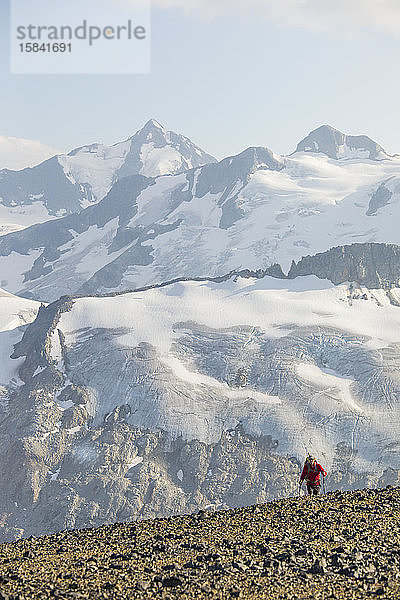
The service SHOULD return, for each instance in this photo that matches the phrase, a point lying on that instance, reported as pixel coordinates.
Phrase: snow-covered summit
(155, 151)
(67, 183)
(152, 151)
(337, 145)
(249, 211)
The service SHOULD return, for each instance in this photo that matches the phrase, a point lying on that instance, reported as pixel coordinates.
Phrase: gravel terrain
(342, 545)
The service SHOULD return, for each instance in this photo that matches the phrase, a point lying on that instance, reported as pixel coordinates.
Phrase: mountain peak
(152, 127)
(153, 124)
(156, 151)
(337, 145)
(255, 158)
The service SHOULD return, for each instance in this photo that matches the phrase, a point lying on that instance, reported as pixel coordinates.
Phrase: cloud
(343, 16)
(17, 153)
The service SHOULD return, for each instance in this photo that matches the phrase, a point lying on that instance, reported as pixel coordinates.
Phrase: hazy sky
(228, 74)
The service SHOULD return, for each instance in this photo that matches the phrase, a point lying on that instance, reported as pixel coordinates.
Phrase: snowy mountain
(249, 211)
(263, 324)
(17, 153)
(337, 145)
(65, 184)
(196, 394)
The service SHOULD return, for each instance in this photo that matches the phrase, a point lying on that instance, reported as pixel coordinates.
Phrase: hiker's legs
(313, 490)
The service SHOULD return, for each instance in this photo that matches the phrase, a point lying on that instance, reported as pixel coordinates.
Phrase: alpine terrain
(190, 329)
(250, 211)
(292, 548)
(65, 184)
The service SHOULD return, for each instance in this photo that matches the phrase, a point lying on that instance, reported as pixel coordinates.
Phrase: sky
(228, 74)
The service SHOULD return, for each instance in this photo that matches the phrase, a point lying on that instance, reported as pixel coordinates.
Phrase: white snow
(14, 312)
(337, 386)
(160, 161)
(275, 308)
(180, 475)
(92, 248)
(14, 267)
(15, 218)
(54, 475)
(48, 433)
(38, 370)
(313, 204)
(56, 351)
(136, 461)
(65, 405)
(95, 165)
(74, 430)
(266, 303)
(152, 207)
(197, 379)
(346, 152)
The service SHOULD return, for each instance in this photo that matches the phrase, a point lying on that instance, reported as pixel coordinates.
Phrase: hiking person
(311, 473)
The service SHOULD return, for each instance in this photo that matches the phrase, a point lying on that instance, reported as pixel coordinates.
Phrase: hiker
(311, 473)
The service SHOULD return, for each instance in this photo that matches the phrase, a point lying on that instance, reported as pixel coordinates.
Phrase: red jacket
(311, 473)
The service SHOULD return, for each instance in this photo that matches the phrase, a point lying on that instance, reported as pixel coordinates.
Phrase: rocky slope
(342, 545)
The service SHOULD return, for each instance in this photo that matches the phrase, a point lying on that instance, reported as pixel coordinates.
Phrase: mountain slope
(194, 394)
(65, 184)
(338, 145)
(249, 211)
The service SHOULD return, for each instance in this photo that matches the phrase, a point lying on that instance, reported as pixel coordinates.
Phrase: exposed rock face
(119, 473)
(336, 144)
(380, 198)
(371, 265)
(46, 183)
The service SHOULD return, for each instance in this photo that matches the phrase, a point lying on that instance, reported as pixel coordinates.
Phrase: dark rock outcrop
(371, 265)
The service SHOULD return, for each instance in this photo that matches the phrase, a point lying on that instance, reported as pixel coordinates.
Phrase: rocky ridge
(375, 266)
(337, 145)
(341, 545)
